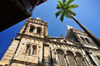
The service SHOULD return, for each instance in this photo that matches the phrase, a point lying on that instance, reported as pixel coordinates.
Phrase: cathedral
(33, 47)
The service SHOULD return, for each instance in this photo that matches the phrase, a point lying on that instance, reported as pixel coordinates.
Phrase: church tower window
(60, 56)
(32, 28)
(27, 48)
(39, 30)
(83, 39)
(34, 50)
(88, 41)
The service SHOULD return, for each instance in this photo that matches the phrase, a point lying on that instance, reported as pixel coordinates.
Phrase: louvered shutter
(80, 62)
(71, 60)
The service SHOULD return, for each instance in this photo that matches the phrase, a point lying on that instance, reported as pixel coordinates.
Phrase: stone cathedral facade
(31, 47)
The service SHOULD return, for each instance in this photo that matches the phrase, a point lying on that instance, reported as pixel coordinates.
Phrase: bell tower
(35, 27)
(27, 47)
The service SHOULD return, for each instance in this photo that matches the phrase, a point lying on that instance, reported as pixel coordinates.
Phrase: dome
(38, 18)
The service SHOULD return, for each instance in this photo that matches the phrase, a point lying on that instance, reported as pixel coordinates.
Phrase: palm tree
(64, 8)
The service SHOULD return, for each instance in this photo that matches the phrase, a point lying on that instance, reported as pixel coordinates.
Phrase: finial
(38, 17)
(62, 36)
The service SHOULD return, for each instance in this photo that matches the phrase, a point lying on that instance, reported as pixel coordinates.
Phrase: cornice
(42, 22)
(75, 44)
(48, 39)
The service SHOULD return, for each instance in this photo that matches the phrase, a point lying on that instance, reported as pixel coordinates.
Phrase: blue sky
(88, 13)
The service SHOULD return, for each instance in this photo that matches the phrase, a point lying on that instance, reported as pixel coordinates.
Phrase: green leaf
(66, 7)
(58, 7)
(64, 2)
(66, 14)
(61, 4)
(73, 6)
(58, 13)
(62, 17)
(47, 36)
(69, 2)
(72, 12)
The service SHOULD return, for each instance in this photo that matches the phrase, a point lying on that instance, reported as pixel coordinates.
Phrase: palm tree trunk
(94, 38)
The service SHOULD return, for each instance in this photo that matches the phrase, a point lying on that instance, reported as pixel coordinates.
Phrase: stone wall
(47, 56)
(11, 51)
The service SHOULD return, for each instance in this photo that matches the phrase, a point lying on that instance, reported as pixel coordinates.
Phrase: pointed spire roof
(69, 27)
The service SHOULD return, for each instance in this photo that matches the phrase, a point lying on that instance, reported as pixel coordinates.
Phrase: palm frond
(58, 7)
(72, 12)
(62, 17)
(61, 4)
(58, 13)
(69, 2)
(66, 14)
(64, 2)
(66, 7)
(73, 6)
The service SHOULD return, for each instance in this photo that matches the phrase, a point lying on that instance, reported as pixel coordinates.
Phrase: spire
(68, 28)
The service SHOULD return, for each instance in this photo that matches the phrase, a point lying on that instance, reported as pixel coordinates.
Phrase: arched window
(27, 48)
(34, 50)
(31, 28)
(39, 30)
(60, 57)
(88, 41)
(83, 39)
(31, 50)
(79, 60)
(70, 56)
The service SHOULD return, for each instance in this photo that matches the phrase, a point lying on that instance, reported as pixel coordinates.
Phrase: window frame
(69, 57)
(29, 49)
(35, 53)
(39, 29)
(60, 57)
(32, 28)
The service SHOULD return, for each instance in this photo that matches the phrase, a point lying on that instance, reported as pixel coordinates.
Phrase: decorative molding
(22, 62)
(56, 43)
